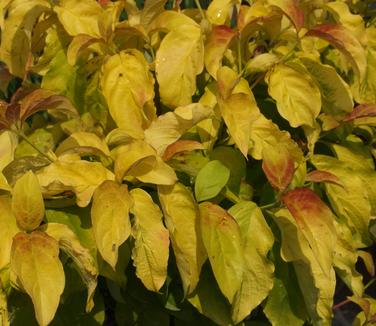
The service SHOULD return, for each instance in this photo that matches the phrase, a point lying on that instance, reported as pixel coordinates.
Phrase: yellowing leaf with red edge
(169, 127)
(361, 111)
(15, 47)
(316, 222)
(323, 176)
(35, 262)
(216, 45)
(239, 110)
(314, 271)
(297, 95)
(8, 229)
(151, 248)
(181, 146)
(27, 202)
(278, 165)
(128, 87)
(179, 59)
(292, 10)
(182, 219)
(342, 39)
(222, 240)
(80, 177)
(79, 43)
(110, 219)
(81, 256)
(80, 17)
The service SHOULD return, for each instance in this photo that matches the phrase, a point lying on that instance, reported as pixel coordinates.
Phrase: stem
(239, 54)
(20, 134)
(258, 79)
(231, 196)
(198, 4)
(267, 206)
(340, 304)
(369, 283)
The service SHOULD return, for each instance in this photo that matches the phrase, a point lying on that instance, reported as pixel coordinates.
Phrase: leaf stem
(198, 4)
(239, 54)
(231, 196)
(24, 137)
(267, 206)
(340, 304)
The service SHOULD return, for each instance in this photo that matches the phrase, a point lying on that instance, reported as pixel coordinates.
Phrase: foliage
(202, 165)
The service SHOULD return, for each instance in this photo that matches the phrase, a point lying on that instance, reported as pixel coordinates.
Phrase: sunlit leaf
(35, 262)
(292, 10)
(222, 239)
(110, 218)
(27, 202)
(81, 256)
(257, 241)
(297, 96)
(182, 219)
(151, 250)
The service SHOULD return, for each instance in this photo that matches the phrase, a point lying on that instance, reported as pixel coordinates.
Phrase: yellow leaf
(239, 110)
(15, 43)
(8, 229)
(81, 256)
(80, 17)
(169, 127)
(110, 218)
(222, 240)
(8, 144)
(219, 11)
(140, 160)
(298, 97)
(182, 219)
(128, 87)
(151, 249)
(179, 59)
(35, 262)
(4, 318)
(257, 241)
(81, 177)
(27, 202)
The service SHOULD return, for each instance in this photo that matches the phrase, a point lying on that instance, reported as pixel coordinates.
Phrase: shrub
(203, 166)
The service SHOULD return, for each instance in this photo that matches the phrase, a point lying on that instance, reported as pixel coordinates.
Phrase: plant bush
(197, 166)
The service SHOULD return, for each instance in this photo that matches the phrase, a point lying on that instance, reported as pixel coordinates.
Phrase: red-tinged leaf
(342, 39)
(215, 47)
(181, 146)
(42, 99)
(323, 176)
(292, 10)
(278, 166)
(362, 111)
(3, 120)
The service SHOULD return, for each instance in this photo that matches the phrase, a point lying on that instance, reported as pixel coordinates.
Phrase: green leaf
(222, 239)
(27, 202)
(257, 241)
(210, 180)
(35, 262)
(151, 249)
(182, 219)
(110, 218)
(297, 95)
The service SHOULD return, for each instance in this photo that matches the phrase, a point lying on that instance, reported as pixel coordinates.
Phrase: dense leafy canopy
(163, 161)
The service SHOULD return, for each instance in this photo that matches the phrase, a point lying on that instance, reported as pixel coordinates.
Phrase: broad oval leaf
(257, 241)
(323, 176)
(291, 9)
(81, 177)
(8, 229)
(219, 11)
(110, 218)
(179, 59)
(182, 219)
(151, 249)
(210, 180)
(128, 87)
(222, 239)
(81, 256)
(298, 97)
(35, 262)
(341, 38)
(27, 202)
